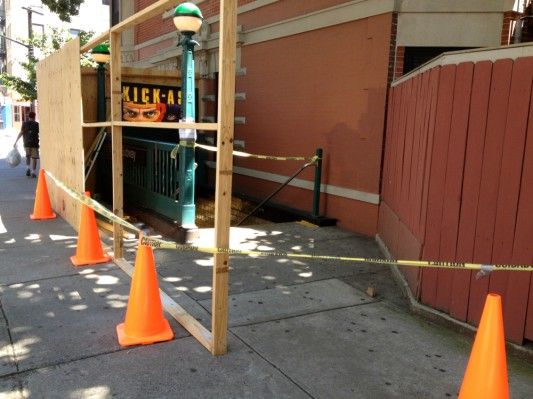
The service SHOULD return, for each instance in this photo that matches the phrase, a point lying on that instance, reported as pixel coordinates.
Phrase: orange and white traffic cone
(486, 373)
(89, 249)
(42, 208)
(144, 323)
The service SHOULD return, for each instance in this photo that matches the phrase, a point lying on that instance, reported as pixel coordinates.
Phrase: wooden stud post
(116, 141)
(226, 111)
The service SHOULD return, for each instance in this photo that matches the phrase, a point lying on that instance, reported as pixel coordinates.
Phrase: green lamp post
(188, 20)
(100, 54)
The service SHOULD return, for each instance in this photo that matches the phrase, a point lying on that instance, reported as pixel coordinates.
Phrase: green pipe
(318, 178)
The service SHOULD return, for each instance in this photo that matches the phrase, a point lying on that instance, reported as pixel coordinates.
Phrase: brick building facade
(316, 75)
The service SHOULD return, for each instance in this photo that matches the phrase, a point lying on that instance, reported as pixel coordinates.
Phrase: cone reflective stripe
(144, 323)
(486, 372)
(89, 249)
(42, 208)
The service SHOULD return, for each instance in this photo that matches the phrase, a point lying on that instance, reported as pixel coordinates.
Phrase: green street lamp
(188, 20)
(100, 54)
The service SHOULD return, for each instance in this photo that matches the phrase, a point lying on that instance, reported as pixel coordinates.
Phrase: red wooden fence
(458, 185)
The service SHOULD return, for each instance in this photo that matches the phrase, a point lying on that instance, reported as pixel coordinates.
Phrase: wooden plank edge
(169, 125)
(151, 11)
(193, 326)
(95, 42)
(96, 124)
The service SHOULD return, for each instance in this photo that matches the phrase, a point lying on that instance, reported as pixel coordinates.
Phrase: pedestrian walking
(30, 136)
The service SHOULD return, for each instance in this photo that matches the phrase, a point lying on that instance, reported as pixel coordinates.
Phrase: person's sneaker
(33, 175)
(28, 172)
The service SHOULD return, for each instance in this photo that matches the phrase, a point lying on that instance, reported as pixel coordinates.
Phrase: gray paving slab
(24, 226)
(283, 236)
(19, 208)
(191, 306)
(178, 369)
(40, 261)
(16, 187)
(62, 319)
(369, 351)
(47, 266)
(7, 359)
(283, 302)
(192, 272)
(31, 239)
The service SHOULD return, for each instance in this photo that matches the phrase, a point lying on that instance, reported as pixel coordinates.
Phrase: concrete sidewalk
(298, 329)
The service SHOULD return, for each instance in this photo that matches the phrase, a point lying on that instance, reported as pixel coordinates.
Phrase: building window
(16, 113)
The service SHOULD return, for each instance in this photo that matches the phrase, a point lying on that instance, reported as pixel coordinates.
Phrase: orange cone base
(82, 262)
(51, 216)
(124, 340)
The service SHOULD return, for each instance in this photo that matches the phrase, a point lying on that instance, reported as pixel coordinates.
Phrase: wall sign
(150, 103)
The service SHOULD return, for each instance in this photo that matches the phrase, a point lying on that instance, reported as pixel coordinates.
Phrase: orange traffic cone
(144, 322)
(486, 373)
(42, 208)
(89, 249)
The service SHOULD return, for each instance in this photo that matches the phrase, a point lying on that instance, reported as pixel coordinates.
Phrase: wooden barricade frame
(216, 339)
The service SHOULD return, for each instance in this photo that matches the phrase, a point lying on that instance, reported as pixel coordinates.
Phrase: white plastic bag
(13, 157)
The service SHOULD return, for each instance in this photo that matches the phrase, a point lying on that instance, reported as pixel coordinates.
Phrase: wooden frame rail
(216, 339)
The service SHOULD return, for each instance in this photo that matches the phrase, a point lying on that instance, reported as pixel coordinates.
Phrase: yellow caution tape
(94, 205)
(158, 243)
(258, 156)
(162, 244)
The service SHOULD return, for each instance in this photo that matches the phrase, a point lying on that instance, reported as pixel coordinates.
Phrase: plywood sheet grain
(59, 95)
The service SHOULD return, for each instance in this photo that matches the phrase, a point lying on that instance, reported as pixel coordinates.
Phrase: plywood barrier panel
(61, 140)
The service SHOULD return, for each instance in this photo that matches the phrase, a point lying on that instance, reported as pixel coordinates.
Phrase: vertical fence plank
(423, 135)
(437, 181)
(405, 207)
(471, 182)
(453, 181)
(412, 219)
(523, 245)
(490, 175)
(226, 113)
(388, 150)
(434, 80)
(400, 146)
(116, 141)
(510, 285)
(398, 101)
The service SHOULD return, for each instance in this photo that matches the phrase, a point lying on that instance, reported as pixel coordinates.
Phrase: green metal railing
(151, 175)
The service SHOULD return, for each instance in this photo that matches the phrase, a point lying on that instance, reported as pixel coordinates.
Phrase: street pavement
(297, 328)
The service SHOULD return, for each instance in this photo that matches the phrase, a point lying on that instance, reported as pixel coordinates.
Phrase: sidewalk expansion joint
(273, 365)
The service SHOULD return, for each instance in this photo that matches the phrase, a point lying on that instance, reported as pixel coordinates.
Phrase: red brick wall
(508, 18)
(398, 65)
(392, 48)
(306, 91)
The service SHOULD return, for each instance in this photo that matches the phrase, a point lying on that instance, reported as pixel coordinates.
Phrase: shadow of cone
(89, 249)
(486, 372)
(144, 323)
(42, 208)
